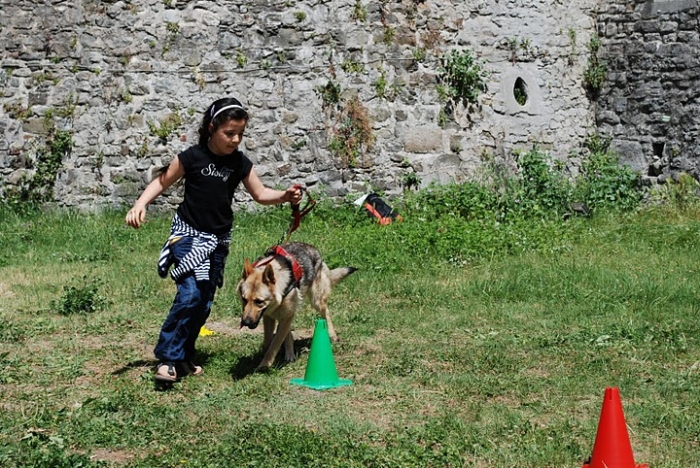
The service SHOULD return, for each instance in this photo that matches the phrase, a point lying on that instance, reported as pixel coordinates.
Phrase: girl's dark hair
(220, 111)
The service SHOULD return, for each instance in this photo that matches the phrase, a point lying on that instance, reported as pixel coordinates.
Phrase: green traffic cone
(320, 370)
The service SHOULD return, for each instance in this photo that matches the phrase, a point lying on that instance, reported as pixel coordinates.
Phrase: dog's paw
(288, 358)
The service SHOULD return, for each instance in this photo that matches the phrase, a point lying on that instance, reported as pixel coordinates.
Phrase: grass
(469, 344)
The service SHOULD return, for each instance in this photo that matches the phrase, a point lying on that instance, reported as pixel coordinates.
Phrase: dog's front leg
(283, 334)
(268, 331)
(289, 347)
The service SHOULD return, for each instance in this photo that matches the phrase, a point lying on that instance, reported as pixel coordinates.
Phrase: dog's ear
(247, 268)
(269, 275)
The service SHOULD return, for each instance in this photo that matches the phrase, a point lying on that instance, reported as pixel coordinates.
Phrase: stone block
(631, 154)
(422, 139)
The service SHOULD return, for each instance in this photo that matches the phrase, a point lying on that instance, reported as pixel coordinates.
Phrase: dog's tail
(339, 274)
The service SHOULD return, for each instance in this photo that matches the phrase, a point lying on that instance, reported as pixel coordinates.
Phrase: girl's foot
(166, 372)
(192, 369)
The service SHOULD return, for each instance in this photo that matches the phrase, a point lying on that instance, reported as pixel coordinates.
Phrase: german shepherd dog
(274, 287)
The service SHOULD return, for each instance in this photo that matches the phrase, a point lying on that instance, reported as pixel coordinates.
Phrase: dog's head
(257, 292)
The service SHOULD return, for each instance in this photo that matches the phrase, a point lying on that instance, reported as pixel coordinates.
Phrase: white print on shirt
(212, 171)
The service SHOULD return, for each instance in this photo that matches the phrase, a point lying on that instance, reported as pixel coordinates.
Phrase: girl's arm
(137, 214)
(268, 196)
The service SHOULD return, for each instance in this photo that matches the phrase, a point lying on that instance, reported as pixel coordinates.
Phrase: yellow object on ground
(204, 331)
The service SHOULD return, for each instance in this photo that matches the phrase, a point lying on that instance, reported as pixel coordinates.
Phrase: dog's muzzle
(252, 324)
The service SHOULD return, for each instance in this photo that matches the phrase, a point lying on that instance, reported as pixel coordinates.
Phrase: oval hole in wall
(520, 91)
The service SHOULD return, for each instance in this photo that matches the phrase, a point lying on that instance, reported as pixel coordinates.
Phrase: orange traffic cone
(612, 448)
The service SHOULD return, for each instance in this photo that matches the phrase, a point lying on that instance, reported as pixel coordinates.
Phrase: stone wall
(650, 103)
(117, 74)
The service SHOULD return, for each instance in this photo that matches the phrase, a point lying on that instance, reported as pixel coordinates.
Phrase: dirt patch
(5, 291)
(223, 328)
(118, 457)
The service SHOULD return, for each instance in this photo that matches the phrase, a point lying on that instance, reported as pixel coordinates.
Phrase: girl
(201, 229)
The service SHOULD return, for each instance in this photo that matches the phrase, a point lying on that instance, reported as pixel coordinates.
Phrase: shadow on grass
(140, 363)
(245, 365)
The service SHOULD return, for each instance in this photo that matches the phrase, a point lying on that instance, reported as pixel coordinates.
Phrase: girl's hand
(136, 216)
(293, 195)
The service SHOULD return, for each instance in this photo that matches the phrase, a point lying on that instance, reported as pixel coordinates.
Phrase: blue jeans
(191, 306)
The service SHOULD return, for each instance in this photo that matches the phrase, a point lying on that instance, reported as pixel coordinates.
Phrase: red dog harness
(278, 251)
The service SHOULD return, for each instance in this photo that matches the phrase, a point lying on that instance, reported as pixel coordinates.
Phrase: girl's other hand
(136, 216)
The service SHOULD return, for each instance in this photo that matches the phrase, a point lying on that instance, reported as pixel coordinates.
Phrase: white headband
(232, 106)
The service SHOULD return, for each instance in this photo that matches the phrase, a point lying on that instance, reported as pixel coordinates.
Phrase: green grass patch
(479, 341)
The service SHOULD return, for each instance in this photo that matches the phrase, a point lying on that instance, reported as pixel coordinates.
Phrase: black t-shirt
(210, 181)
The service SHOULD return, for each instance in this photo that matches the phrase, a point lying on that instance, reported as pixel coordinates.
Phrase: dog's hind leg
(320, 290)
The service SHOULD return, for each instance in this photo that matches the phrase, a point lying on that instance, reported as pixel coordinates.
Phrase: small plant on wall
(359, 12)
(463, 77)
(461, 80)
(330, 94)
(166, 127)
(36, 187)
(353, 133)
(594, 75)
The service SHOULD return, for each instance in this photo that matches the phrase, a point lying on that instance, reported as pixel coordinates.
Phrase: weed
(350, 66)
(411, 180)
(359, 12)
(353, 133)
(143, 149)
(603, 182)
(388, 36)
(172, 27)
(241, 59)
(297, 145)
(542, 189)
(572, 41)
(126, 96)
(380, 85)
(442, 118)
(36, 188)
(166, 127)
(595, 73)
(41, 450)
(80, 299)
(463, 77)
(431, 38)
(681, 193)
(16, 111)
(198, 78)
(300, 16)
(419, 54)
(330, 94)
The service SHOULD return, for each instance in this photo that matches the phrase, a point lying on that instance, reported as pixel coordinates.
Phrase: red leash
(298, 213)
